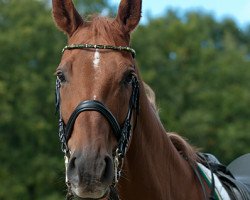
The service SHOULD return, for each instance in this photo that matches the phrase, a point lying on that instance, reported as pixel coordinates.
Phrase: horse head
(97, 95)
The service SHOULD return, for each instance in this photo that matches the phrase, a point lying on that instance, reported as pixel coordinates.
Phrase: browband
(98, 46)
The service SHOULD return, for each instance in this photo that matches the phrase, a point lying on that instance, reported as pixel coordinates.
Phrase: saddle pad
(221, 192)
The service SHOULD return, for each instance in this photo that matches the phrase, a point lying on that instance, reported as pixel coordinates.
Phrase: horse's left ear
(129, 14)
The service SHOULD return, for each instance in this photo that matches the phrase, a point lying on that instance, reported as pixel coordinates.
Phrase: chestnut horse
(114, 138)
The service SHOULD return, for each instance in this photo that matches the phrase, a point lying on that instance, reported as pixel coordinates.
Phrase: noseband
(122, 132)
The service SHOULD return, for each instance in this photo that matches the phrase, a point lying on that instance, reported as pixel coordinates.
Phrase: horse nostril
(72, 164)
(108, 170)
(87, 170)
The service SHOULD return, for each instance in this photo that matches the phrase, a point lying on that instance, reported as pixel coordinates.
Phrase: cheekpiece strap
(98, 46)
(61, 124)
(126, 128)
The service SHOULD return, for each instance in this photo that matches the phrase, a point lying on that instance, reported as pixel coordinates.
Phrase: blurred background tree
(198, 67)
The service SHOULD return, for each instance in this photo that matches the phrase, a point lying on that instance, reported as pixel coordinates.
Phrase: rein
(122, 132)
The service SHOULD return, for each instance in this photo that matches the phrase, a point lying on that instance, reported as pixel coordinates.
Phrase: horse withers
(114, 143)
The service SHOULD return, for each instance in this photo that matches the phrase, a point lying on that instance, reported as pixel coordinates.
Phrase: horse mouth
(90, 195)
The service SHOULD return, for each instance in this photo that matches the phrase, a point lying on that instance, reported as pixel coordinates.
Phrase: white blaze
(96, 60)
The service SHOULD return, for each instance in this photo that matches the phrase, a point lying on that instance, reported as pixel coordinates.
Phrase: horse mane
(182, 146)
(151, 97)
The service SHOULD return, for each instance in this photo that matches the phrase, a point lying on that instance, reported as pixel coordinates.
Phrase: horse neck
(153, 168)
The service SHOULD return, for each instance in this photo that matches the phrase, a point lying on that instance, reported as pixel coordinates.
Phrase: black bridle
(122, 132)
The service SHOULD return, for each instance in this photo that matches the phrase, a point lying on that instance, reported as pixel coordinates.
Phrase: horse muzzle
(90, 175)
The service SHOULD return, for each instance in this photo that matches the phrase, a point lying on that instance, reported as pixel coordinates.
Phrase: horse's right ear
(66, 16)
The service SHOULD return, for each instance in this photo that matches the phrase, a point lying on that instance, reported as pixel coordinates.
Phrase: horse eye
(61, 76)
(128, 79)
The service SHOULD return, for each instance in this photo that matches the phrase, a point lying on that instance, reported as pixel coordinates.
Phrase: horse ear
(66, 16)
(129, 14)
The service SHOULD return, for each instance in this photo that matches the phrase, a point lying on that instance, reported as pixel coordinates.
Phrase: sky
(239, 10)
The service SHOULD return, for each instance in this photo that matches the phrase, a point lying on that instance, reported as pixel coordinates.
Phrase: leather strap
(93, 105)
(99, 46)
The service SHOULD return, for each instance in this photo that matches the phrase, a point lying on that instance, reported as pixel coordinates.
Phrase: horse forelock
(103, 30)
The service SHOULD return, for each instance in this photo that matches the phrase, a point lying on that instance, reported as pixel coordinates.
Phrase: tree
(199, 69)
(31, 162)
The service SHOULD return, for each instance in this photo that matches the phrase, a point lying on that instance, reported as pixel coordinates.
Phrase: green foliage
(198, 67)
(31, 161)
(29, 54)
